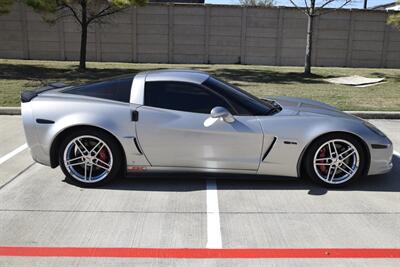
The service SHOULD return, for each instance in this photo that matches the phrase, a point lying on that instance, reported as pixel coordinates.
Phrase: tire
(102, 165)
(335, 160)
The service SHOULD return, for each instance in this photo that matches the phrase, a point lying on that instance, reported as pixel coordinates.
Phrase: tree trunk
(307, 64)
(82, 59)
(84, 28)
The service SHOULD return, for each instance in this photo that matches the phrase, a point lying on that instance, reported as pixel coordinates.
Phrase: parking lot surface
(38, 208)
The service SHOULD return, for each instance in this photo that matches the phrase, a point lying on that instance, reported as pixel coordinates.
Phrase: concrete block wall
(208, 34)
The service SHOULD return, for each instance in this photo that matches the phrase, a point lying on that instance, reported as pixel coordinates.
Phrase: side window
(182, 96)
(118, 90)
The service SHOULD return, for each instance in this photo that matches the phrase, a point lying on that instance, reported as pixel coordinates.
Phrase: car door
(172, 133)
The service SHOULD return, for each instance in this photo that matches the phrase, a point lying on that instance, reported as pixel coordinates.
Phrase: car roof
(180, 75)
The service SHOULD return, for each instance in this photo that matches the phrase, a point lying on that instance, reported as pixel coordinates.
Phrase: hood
(307, 107)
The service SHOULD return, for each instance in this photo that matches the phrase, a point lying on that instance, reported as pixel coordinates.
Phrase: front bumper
(381, 157)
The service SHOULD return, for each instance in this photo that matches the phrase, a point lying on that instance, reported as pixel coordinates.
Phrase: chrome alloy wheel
(88, 159)
(336, 161)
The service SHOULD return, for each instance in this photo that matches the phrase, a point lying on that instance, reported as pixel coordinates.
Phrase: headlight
(374, 129)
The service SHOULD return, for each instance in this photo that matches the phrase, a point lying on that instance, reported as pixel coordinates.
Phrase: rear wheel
(90, 157)
(335, 160)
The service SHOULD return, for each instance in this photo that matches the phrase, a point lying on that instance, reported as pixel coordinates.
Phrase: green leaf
(5, 6)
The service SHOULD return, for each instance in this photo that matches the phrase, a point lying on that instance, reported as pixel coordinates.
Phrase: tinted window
(243, 102)
(182, 96)
(117, 89)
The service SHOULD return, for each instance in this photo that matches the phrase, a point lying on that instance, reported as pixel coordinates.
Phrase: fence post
(279, 33)
(206, 34)
(385, 44)
(170, 32)
(350, 40)
(314, 53)
(61, 38)
(134, 34)
(97, 37)
(243, 36)
(24, 31)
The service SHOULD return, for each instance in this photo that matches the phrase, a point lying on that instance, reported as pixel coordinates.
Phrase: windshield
(244, 102)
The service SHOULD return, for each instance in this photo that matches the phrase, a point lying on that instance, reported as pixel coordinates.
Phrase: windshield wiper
(274, 110)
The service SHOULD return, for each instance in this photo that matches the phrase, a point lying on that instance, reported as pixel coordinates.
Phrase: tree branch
(334, 9)
(75, 14)
(99, 13)
(327, 3)
(308, 10)
(105, 13)
(299, 8)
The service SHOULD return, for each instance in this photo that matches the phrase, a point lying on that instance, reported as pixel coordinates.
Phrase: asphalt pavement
(38, 208)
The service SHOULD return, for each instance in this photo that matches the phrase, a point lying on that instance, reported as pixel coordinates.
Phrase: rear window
(115, 89)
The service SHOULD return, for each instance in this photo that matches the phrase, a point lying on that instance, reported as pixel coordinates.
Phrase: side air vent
(269, 148)
(44, 121)
(379, 146)
(137, 145)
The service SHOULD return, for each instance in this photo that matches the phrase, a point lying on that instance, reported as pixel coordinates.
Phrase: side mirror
(223, 114)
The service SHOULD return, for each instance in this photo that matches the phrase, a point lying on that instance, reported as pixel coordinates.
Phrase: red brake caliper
(103, 155)
(321, 155)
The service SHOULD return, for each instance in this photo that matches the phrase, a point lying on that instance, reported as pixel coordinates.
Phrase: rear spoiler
(28, 95)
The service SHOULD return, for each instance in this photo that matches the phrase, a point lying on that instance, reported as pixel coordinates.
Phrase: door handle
(135, 115)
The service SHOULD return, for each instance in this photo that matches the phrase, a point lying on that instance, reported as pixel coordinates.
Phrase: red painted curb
(194, 253)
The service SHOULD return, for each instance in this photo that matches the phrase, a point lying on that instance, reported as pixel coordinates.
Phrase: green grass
(17, 75)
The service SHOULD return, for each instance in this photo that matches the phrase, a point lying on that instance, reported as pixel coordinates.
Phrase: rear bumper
(36, 150)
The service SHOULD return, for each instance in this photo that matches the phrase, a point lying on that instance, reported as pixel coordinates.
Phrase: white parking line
(213, 224)
(396, 153)
(13, 153)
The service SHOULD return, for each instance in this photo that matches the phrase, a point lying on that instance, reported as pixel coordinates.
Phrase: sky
(356, 4)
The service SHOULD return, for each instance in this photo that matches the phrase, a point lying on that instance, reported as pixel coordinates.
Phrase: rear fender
(111, 116)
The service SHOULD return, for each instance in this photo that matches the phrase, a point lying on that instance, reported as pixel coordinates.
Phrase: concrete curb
(10, 111)
(388, 115)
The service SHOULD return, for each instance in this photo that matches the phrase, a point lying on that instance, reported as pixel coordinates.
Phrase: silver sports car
(185, 120)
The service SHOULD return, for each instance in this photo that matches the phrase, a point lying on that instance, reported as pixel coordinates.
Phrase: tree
(5, 6)
(85, 12)
(312, 9)
(257, 2)
(394, 19)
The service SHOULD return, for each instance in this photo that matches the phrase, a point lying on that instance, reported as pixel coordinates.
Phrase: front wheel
(90, 157)
(335, 160)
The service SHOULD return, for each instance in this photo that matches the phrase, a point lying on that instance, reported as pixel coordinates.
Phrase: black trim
(28, 95)
(135, 115)
(290, 142)
(269, 148)
(44, 121)
(137, 145)
(378, 146)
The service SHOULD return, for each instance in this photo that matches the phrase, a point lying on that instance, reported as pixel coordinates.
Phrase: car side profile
(190, 121)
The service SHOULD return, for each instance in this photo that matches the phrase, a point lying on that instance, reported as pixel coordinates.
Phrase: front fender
(295, 133)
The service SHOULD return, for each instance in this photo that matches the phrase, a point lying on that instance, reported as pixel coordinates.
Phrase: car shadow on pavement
(185, 182)
(389, 182)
